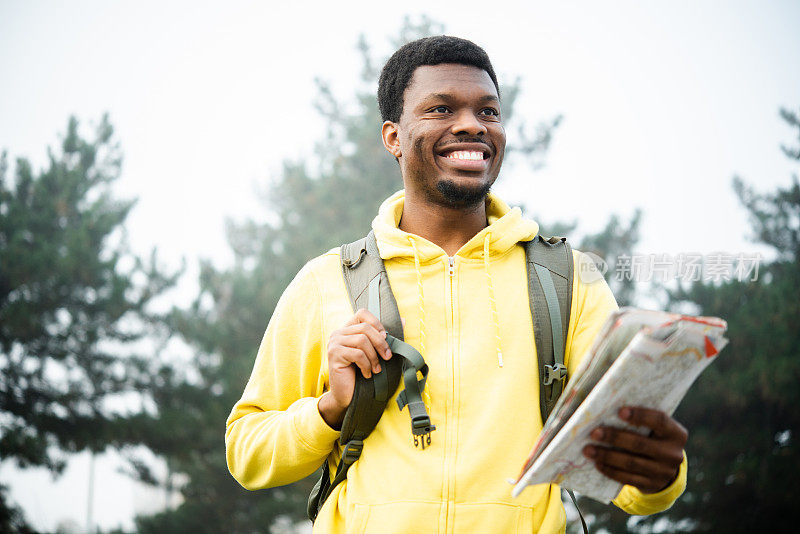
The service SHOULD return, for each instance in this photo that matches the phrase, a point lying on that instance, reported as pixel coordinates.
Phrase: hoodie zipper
(450, 448)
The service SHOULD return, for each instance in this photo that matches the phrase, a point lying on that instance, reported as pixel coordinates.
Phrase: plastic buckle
(352, 451)
(421, 429)
(551, 373)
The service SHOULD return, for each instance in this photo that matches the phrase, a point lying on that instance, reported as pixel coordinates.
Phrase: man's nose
(466, 122)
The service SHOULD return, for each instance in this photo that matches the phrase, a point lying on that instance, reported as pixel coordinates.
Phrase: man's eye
(491, 112)
(440, 109)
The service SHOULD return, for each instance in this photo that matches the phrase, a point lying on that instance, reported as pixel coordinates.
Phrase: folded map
(640, 358)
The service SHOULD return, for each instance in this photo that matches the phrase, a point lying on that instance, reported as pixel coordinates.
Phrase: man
(456, 267)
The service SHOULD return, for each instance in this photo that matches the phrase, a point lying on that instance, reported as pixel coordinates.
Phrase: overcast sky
(663, 103)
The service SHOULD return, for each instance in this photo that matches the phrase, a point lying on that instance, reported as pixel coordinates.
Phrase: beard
(461, 196)
(449, 192)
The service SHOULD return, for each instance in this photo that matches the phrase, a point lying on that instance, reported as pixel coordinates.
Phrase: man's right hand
(360, 343)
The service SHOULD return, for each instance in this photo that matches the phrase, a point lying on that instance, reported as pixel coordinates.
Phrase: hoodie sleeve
(591, 305)
(275, 434)
(635, 502)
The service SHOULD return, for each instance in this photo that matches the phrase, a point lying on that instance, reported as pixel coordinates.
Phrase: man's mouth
(466, 156)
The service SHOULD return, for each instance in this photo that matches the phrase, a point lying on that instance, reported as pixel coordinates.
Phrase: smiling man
(455, 260)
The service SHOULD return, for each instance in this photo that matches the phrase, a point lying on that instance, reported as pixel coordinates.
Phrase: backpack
(550, 274)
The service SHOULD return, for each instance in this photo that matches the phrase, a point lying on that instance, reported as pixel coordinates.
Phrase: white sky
(663, 102)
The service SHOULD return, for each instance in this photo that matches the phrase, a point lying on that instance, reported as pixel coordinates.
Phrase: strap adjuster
(421, 429)
(352, 451)
(554, 372)
(421, 426)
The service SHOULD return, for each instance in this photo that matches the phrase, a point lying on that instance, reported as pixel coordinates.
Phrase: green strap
(380, 381)
(575, 502)
(411, 395)
(550, 275)
(558, 371)
(350, 453)
(413, 362)
(367, 285)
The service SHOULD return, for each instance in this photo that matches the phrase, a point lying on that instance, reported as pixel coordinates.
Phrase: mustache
(464, 140)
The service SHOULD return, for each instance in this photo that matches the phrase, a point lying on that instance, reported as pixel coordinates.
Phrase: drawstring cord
(421, 301)
(492, 301)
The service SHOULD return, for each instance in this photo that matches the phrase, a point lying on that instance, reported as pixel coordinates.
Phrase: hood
(506, 226)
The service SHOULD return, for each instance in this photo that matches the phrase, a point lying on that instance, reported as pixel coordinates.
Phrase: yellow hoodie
(470, 318)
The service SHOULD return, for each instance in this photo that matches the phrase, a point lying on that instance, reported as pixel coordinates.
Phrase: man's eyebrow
(449, 98)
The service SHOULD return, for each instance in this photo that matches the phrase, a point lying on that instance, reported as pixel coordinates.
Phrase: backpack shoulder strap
(550, 273)
(361, 263)
(362, 269)
(368, 287)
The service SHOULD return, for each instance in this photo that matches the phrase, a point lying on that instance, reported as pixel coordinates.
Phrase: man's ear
(391, 138)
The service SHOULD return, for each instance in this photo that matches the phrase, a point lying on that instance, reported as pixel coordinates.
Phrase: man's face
(450, 140)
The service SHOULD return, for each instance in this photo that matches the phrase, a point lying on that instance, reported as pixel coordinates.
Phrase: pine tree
(73, 300)
(742, 412)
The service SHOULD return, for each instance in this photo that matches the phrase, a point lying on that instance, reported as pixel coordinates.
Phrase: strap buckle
(421, 429)
(425, 439)
(422, 425)
(554, 372)
(352, 451)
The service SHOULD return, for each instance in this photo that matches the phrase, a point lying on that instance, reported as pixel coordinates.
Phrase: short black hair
(397, 73)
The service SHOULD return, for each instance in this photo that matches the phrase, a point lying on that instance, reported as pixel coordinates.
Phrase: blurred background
(168, 167)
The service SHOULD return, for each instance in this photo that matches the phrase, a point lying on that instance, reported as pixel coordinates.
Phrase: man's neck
(449, 228)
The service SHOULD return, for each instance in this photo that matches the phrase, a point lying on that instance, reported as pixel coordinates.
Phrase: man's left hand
(649, 463)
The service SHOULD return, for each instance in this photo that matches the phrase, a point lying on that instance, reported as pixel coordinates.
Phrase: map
(640, 358)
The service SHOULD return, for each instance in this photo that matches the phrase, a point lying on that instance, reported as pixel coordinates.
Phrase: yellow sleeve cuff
(311, 428)
(633, 501)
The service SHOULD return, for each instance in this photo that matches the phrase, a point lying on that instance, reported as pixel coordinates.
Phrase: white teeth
(465, 154)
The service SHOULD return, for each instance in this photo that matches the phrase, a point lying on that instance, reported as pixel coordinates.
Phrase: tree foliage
(742, 413)
(12, 519)
(73, 300)
(616, 239)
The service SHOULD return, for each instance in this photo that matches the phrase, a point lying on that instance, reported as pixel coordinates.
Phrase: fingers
(662, 425)
(646, 474)
(644, 483)
(638, 444)
(362, 341)
(649, 462)
(365, 316)
(343, 356)
(376, 332)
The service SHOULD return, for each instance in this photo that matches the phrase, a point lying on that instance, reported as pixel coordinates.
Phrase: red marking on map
(708, 321)
(711, 350)
(568, 466)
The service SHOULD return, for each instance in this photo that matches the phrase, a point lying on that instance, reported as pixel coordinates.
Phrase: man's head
(440, 103)
(396, 74)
